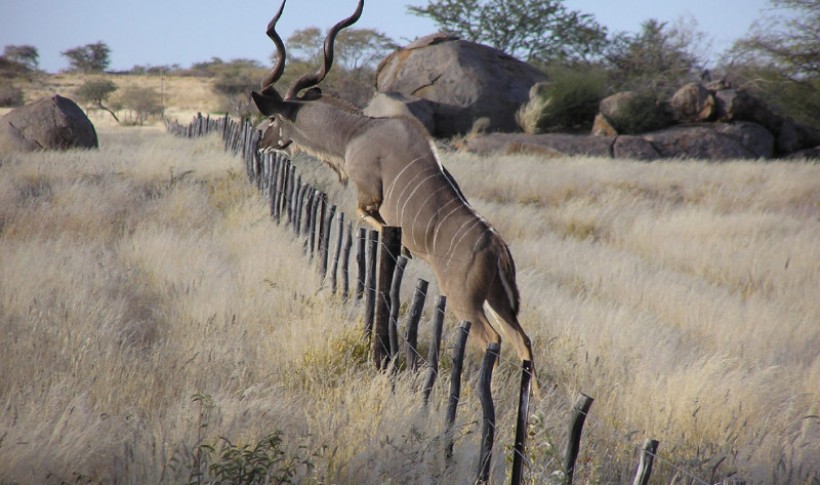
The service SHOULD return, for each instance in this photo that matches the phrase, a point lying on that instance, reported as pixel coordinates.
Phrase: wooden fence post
(648, 452)
(322, 233)
(361, 239)
(310, 211)
(455, 383)
(390, 251)
(520, 447)
(395, 304)
(485, 395)
(316, 216)
(346, 262)
(282, 183)
(291, 184)
(337, 251)
(435, 346)
(370, 282)
(273, 188)
(576, 425)
(413, 317)
(300, 209)
(331, 214)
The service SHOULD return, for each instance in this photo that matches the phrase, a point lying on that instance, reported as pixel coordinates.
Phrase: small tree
(541, 31)
(26, 55)
(96, 92)
(10, 96)
(234, 81)
(779, 59)
(657, 58)
(89, 58)
(357, 52)
(143, 102)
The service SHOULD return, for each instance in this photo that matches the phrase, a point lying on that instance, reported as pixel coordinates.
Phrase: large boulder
(389, 105)
(463, 81)
(51, 123)
(693, 103)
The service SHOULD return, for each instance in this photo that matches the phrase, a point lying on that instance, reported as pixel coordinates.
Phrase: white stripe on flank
(427, 229)
(398, 176)
(419, 211)
(410, 196)
(440, 223)
(418, 207)
(463, 235)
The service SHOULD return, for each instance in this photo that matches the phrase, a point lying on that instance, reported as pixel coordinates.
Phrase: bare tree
(780, 59)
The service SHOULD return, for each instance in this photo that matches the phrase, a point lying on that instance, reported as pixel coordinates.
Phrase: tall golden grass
(149, 308)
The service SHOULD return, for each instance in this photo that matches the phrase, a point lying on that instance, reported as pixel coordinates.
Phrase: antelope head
(284, 111)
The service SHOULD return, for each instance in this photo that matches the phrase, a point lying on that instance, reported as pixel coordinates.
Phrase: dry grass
(681, 295)
(184, 95)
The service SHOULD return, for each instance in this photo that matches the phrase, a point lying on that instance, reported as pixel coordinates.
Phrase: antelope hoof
(370, 219)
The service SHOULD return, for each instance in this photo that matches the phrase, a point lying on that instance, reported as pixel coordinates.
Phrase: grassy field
(157, 327)
(184, 96)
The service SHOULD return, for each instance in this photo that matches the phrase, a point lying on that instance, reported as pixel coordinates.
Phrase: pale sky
(164, 32)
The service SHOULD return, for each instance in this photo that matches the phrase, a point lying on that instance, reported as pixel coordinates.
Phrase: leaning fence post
(324, 246)
(576, 425)
(455, 383)
(288, 200)
(321, 217)
(485, 395)
(361, 239)
(648, 452)
(337, 251)
(390, 250)
(370, 282)
(521, 424)
(435, 345)
(395, 304)
(346, 262)
(413, 317)
(310, 210)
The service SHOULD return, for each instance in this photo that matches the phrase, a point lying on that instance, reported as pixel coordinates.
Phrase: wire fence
(309, 214)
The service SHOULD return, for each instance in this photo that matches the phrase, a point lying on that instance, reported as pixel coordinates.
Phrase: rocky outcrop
(462, 81)
(709, 141)
(52, 123)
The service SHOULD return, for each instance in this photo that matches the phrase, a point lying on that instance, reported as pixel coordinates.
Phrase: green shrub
(568, 102)
(10, 96)
(641, 113)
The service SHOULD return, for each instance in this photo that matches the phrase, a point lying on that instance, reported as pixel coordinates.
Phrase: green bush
(142, 103)
(10, 96)
(641, 113)
(569, 102)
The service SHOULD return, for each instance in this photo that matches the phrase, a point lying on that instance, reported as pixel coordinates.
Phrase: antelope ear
(311, 94)
(270, 103)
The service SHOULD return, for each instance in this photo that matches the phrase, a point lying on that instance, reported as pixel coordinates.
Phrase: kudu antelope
(400, 182)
